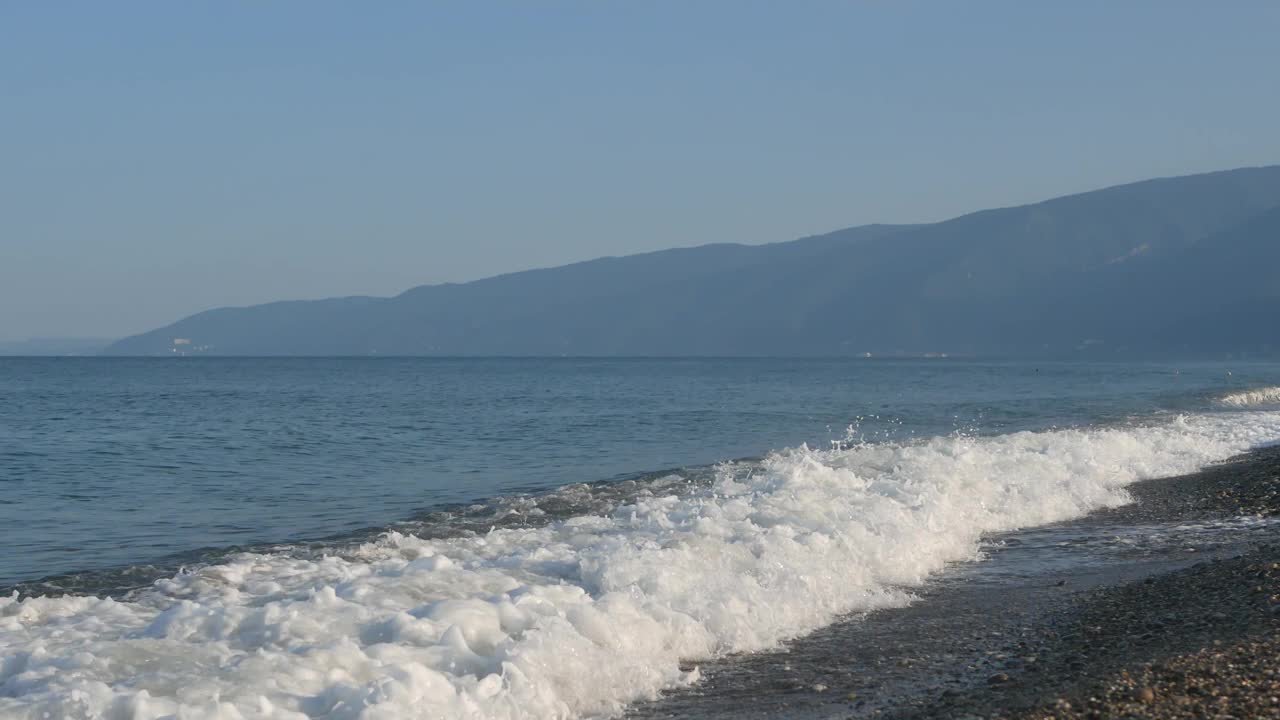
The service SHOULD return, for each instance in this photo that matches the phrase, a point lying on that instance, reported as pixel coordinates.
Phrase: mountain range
(1186, 266)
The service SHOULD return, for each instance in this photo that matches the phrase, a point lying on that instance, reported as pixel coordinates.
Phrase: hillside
(1177, 265)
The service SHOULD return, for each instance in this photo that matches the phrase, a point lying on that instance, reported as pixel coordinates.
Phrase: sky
(160, 158)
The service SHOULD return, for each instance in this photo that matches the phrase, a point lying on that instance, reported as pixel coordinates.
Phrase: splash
(1252, 398)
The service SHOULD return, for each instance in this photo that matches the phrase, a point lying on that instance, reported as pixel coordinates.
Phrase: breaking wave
(581, 615)
(1252, 398)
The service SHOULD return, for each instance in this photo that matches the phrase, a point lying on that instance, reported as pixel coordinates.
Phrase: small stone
(1275, 609)
(1144, 695)
(997, 679)
(851, 696)
(819, 688)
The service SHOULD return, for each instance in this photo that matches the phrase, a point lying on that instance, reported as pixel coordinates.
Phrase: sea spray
(583, 615)
(1252, 398)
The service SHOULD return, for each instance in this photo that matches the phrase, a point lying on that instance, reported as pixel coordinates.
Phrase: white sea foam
(583, 615)
(1252, 398)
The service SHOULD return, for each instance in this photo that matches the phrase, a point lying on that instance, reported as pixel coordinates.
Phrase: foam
(582, 615)
(1252, 398)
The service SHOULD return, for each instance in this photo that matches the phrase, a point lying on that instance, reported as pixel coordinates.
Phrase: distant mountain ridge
(1182, 266)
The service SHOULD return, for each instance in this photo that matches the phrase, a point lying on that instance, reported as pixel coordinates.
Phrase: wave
(582, 615)
(1252, 398)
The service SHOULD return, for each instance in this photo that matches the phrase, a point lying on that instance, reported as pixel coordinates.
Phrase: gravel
(1197, 642)
(1200, 642)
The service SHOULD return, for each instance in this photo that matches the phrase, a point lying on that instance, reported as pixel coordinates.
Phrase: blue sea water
(532, 538)
(109, 462)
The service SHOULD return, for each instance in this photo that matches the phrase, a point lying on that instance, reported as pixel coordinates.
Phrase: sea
(370, 538)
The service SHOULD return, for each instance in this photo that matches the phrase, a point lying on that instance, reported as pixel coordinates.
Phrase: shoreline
(1186, 628)
(1197, 642)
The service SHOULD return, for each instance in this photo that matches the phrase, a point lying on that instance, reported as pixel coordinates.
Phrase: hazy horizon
(163, 160)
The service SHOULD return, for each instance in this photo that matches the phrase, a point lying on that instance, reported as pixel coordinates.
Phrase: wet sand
(1168, 607)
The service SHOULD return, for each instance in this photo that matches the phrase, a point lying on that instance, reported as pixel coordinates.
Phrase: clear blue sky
(161, 158)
